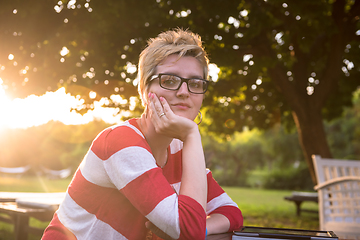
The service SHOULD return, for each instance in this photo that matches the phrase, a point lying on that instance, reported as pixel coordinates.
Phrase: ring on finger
(162, 114)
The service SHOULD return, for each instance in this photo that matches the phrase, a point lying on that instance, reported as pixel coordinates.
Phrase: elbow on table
(236, 220)
(192, 233)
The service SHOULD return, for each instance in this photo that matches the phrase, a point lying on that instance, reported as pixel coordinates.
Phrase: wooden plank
(21, 226)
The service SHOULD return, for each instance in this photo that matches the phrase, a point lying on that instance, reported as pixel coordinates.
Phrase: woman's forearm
(194, 181)
(217, 223)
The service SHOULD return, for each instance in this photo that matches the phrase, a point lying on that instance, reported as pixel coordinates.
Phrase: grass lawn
(260, 207)
(267, 208)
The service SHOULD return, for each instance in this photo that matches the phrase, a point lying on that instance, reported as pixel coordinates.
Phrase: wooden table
(19, 207)
(228, 236)
(223, 236)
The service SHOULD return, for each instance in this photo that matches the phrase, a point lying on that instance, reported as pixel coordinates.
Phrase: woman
(147, 176)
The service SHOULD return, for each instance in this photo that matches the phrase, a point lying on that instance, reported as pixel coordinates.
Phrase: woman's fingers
(166, 107)
(155, 104)
(157, 110)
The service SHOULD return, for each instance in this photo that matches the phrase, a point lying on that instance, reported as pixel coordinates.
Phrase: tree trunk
(312, 136)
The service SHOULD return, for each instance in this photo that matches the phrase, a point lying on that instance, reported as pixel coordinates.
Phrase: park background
(255, 158)
(284, 85)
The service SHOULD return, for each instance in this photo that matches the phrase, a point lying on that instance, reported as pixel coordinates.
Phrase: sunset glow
(38, 110)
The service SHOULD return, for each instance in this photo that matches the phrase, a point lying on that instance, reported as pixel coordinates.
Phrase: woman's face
(182, 102)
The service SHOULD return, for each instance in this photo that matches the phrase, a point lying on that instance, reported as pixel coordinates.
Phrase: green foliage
(229, 160)
(52, 145)
(292, 178)
(288, 45)
(344, 133)
(232, 160)
(282, 147)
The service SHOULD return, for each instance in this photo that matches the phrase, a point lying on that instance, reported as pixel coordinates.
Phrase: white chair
(339, 196)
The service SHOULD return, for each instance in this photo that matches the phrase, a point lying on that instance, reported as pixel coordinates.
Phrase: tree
(289, 61)
(297, 62)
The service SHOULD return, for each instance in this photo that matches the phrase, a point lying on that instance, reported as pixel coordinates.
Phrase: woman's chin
(188, 116)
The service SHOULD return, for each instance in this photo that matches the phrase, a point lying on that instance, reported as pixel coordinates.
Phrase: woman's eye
(169, 81)
(195, 84)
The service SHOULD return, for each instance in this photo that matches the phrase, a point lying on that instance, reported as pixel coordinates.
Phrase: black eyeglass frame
(186, 80)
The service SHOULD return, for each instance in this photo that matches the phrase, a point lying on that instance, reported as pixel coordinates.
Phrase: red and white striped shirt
(118, 187)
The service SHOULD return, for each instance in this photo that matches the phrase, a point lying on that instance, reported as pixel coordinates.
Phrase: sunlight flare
(57, 106)
(4, 106)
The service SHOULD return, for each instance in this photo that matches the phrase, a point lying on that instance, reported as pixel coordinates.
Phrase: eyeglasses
(173, 82)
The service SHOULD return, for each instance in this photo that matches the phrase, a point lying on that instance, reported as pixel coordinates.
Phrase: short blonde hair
(178, 41)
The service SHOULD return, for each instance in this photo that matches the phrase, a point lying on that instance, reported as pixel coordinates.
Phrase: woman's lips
(181, 106)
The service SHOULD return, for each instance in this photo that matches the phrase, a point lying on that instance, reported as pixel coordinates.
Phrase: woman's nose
(183, 90)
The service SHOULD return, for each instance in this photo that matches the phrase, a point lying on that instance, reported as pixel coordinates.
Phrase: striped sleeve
(57, 231)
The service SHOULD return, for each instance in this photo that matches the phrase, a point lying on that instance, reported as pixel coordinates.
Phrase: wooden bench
(338, 185)
(299, 197)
